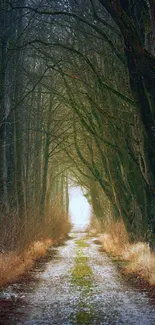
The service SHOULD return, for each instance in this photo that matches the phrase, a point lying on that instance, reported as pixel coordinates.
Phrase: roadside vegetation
(134, 259)
(14, 262)
(77, 106)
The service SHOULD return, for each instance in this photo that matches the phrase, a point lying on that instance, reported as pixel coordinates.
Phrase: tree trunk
(152, 15)
(46, 158)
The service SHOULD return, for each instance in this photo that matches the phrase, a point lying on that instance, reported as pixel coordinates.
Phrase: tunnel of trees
(77, 101)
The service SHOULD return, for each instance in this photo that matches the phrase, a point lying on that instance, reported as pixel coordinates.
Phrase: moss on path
(82, 277)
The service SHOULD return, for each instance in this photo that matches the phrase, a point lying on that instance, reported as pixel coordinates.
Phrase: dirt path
(75, 284)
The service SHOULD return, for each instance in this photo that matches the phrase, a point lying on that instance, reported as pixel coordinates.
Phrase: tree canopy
(77, 101)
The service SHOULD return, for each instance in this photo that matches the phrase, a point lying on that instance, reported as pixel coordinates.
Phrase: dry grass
(13, 264)
(115, 238)
(18, 233)
(140, 260)
(21, 243)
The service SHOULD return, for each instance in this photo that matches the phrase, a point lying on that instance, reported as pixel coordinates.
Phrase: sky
(79, 208)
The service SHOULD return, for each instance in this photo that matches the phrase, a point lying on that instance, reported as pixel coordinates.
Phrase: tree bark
(46, 158)
(152, 16)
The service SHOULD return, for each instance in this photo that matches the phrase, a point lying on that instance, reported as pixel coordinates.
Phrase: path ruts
(75, 285)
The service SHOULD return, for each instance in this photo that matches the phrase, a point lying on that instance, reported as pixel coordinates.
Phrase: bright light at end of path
(79, 208)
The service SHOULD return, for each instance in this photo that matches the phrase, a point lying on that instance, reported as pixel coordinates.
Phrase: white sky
(79, 208)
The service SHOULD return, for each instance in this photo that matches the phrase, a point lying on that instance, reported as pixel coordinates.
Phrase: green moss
(82, 277)
(83, 317)
(81, 243)
(81, 274)
(81, 258)
(81, 270)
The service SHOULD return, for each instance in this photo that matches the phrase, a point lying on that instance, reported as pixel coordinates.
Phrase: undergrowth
(14, 264)
(134, 258)
(22, 244)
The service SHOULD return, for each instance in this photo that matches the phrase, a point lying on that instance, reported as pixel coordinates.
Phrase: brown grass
(18, 233)
(115, 238)
(13, 264)
(22, 243)
(140, 260)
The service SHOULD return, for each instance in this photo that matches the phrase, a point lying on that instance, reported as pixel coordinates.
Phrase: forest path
(75, 284)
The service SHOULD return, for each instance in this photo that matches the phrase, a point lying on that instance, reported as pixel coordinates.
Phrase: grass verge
(22, 245)
(135, 260)
(14, 264)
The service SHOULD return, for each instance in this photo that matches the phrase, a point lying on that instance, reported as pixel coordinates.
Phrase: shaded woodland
(77, 102)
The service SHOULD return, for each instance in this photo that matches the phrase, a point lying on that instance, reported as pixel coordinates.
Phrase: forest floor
(77, 284)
